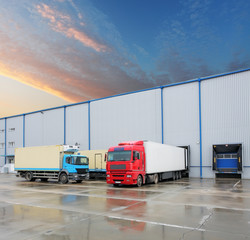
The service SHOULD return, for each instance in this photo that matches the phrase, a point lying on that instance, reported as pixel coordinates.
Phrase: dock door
(227, 160)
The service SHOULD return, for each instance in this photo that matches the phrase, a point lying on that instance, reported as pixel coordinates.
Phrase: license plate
(117, 181)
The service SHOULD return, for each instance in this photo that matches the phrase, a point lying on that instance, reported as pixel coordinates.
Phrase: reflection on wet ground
(206, 209)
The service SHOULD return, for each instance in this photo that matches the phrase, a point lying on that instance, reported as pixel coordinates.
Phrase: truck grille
(81, 171)
(119, 176)
(117, 167)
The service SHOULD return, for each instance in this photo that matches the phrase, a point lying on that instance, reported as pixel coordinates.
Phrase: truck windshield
(119, 156)
(80, 160)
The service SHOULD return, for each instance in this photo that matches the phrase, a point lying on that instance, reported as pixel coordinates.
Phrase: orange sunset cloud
(60, 23)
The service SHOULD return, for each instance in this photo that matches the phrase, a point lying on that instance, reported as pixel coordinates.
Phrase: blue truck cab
(74, 167)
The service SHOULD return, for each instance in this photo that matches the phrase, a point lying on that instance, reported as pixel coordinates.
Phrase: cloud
(239, 61)
(141, 50)
(50, 50)
(79, 14)
(202, 40)
(62, 23)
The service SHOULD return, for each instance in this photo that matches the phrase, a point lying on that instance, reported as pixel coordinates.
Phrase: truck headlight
(129, 176)
(108, 175)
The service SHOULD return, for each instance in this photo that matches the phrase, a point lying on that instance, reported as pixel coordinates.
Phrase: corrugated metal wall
(14, 134)
(181, 120)
(225, 115)
(124, 118)
(77, 126)
(2, 142)
(44, 128)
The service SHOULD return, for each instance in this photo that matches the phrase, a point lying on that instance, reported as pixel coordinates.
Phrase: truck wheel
(139, 181)
(156, 178)
(180, 175)
(63, 178)
(29, 176)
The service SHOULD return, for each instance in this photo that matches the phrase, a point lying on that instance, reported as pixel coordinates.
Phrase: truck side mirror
(106, 156)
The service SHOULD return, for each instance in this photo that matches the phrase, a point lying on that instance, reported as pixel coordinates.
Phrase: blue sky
(63, 51)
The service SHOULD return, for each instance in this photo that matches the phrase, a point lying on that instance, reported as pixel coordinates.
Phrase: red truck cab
(126, 164)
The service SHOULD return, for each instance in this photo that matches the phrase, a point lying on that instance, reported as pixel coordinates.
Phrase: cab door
(137, 159)
(68, 162)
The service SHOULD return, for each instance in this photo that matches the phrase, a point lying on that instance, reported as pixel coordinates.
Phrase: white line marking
(236, 184)
(204, 219)
(158, 223)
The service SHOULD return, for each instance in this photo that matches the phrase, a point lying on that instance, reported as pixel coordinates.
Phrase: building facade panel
(181, 120)
(2, 142)
(44, 128)
(77, 126)
(225, 116)
(130, 117)
(2, 135)
(14, 134)
(34, 129)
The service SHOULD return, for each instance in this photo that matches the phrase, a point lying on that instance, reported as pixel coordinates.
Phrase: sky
(58, 52)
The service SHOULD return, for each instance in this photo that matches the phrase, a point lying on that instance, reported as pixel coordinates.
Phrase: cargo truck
(140, 162)
(97, 162)
(60, 162)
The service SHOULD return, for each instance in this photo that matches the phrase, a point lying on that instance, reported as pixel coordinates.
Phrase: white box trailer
(164, 158)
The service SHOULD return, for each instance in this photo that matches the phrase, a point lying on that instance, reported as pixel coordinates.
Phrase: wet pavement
(190, 209)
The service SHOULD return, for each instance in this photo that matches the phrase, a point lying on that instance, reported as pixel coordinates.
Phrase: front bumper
(76, 176)
(121, 179)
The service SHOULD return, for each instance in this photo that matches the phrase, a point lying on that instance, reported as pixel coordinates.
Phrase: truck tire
(180, 175)
(63, 178)
(156, 178)
(29, 176)
(139, 181)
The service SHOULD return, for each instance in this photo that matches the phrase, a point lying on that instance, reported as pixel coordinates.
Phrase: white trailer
(163, 157)
(166, 160)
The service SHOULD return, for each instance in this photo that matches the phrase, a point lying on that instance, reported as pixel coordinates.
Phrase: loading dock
(227, 160)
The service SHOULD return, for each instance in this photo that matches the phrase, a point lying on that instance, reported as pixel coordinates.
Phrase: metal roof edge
(127, 93)
(224, 74)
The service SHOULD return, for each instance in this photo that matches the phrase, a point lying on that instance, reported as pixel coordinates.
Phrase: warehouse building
(210, 115)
